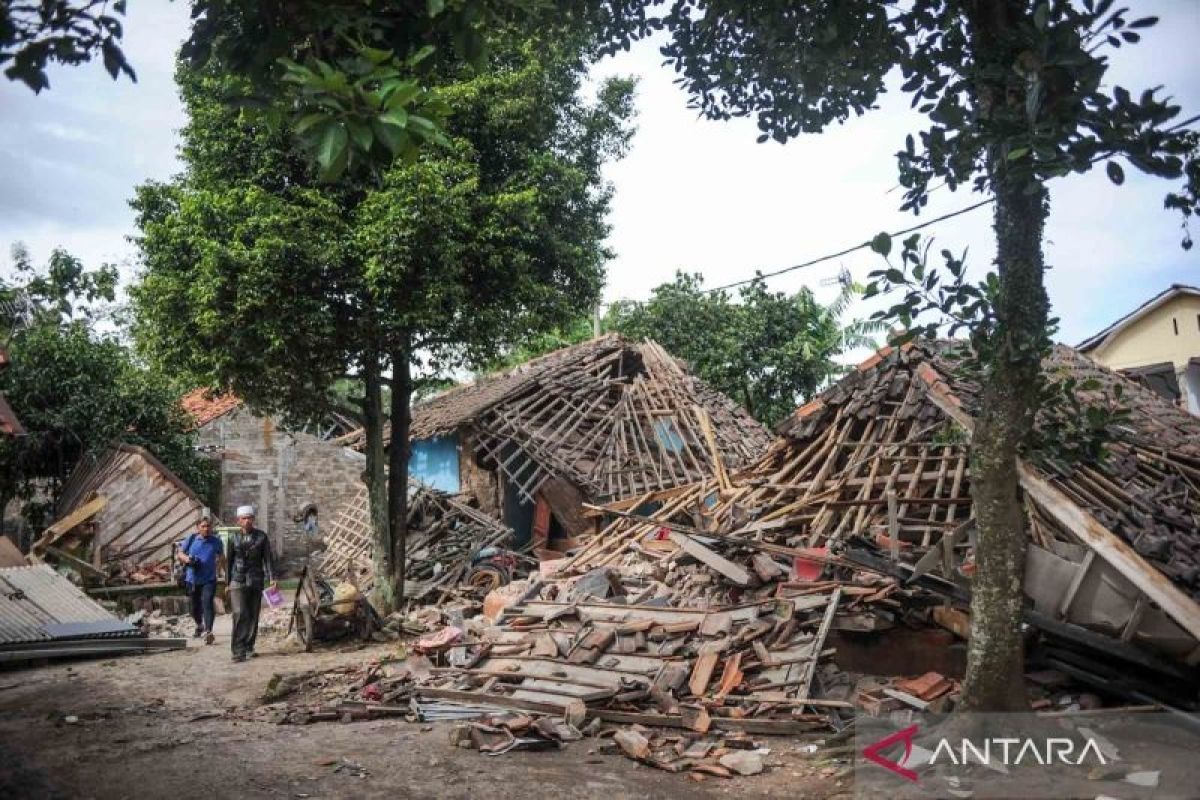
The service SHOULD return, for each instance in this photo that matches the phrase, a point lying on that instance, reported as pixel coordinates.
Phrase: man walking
(249, 566)
(201, 552)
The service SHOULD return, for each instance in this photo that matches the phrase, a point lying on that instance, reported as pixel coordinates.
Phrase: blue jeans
(202, 604)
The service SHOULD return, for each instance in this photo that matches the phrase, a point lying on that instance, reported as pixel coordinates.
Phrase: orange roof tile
(204, 406)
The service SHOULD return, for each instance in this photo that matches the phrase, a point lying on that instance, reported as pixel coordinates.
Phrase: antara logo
(874, 752)
(1009, 751)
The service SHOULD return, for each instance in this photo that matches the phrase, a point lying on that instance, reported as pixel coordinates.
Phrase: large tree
(76, 389)
(1014, 92)
(767, 350)
(261, 278)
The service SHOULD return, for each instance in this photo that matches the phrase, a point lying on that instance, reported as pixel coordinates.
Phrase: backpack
(179, 571)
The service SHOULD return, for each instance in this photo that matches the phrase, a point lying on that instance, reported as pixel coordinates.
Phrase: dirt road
(157, 726)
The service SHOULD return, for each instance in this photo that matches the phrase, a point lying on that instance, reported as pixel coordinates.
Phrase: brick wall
(282, 474)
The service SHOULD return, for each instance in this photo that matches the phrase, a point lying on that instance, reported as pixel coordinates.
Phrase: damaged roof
(881, 459)
(147, 508)
(204, 406)
(614, 417)
(1147, 491)
(39, 605)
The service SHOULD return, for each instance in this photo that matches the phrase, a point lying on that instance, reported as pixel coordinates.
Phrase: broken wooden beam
(710, 558)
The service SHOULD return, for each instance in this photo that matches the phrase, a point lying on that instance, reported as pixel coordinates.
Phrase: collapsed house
(784, 597)
(294, 478)
(880, 461)
(599, 421)
(118, 517)
(448, 543)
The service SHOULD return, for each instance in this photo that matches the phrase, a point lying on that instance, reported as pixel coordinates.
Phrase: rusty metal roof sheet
(37, 604)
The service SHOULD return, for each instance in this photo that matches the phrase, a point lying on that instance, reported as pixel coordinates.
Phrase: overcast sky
(692, 194)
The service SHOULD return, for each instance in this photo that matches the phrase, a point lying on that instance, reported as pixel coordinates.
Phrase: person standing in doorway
(249, 567)
(201, 552)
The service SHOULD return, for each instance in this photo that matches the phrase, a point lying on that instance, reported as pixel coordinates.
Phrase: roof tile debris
(204, 406)
(718, 617)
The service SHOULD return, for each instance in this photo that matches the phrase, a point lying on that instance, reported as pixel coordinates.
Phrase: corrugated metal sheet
(33, 597)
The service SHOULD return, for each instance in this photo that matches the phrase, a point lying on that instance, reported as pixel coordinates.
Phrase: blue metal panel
(668, 435)
(435, 463)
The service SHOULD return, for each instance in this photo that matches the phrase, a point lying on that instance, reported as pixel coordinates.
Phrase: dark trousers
(203, 610)
(246, 602)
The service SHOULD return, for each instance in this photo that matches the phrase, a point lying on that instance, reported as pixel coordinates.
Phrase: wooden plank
(818, 643)
(69, 522)
(1076, 582)
(1135, 619)
(893, 526)
(706, 663)
(78, 564)
(551, 706)
(1113, 550)
(714, 452)
(730, 570)
(939, 551)
(550, 686)
(775, 727)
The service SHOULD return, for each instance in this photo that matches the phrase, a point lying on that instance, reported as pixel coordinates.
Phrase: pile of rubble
(128, 572)
(701, 616)
(450, 545)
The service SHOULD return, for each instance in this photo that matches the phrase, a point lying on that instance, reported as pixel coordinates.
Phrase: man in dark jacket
(249, 567)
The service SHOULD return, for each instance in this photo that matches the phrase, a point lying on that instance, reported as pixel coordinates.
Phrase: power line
(896, 234)
(849, 250)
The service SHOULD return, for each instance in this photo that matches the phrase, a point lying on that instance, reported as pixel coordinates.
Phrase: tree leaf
(332, 146)
(882, 244)
(398, 118)
(1115, 173)
(309, 120)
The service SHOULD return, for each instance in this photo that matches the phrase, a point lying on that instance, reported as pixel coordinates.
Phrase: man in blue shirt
(202, 554)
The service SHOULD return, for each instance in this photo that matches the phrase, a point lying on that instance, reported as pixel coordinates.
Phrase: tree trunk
(398, 456)
(1011, 353)
(384, 597)
(995, 658)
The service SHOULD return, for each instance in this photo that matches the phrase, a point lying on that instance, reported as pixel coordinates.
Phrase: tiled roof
(204, 406)
(1142, 492)
(614, 417)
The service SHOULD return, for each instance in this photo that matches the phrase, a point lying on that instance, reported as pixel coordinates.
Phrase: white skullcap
(245, 511)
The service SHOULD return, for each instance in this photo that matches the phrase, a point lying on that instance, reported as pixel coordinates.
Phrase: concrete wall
(1152, 339)
(282, 474)
(1169, 333)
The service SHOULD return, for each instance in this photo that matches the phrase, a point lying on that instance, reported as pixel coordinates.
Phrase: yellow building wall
(1152, 339)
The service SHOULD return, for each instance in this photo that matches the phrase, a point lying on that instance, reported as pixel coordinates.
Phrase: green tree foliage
(574, 332)
(77, 390)
(262, 278)
(34, 33)
(1014, 93)
(353, 78)
(768, 350)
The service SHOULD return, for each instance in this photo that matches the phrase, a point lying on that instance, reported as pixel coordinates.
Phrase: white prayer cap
(245, 511)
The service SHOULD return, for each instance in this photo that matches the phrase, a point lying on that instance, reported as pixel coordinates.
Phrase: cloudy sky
(693, 195)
